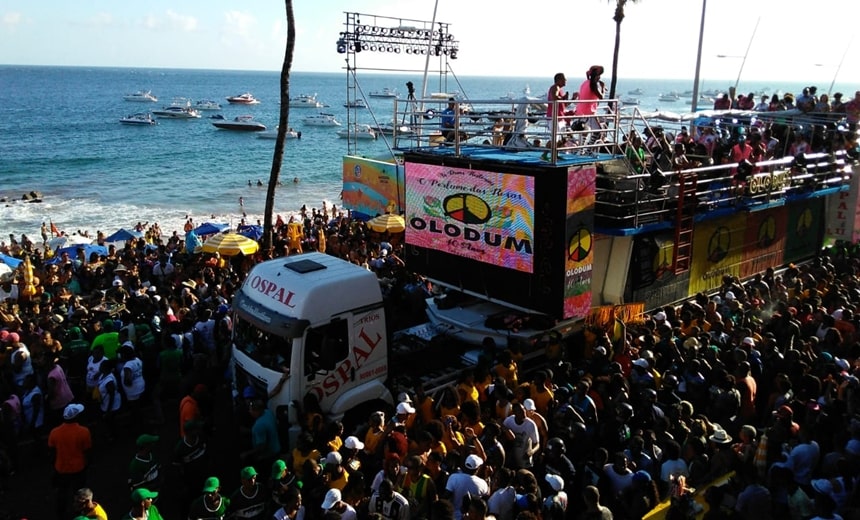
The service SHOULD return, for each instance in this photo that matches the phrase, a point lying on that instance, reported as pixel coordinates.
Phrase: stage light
(397, 50)
(383, 31)
(374, 29)
(341, 46)
(408, 50)
(359, 46)
(389, 49)
(359, 28)
(437, 50)
(373, 48)
(453, 54)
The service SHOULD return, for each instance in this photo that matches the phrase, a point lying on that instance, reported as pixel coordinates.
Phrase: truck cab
(317, 323)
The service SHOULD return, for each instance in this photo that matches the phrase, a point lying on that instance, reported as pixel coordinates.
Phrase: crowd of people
(744, 401)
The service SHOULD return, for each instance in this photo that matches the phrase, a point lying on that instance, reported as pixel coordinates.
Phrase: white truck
(316, 324)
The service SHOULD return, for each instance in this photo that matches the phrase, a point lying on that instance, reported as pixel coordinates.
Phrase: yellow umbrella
(230, 244)
(387, 223)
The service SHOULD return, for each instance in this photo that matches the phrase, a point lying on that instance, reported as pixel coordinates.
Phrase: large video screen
(476, 214)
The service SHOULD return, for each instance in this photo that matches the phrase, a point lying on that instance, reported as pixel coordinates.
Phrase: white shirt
(526, 436)
(135, 389)
(461, 483)
(501, 503)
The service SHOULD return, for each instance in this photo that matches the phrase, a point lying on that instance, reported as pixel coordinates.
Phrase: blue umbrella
(73, 252)
(11, 261)
(252, 232)
(210, 228)
(124, 235)
(192, 241)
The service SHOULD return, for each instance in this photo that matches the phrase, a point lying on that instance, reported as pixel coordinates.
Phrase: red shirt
(71, 442)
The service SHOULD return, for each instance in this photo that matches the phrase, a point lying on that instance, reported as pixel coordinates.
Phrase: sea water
(60, 135)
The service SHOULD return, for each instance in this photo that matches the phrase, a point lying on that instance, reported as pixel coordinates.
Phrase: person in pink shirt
(591, 91)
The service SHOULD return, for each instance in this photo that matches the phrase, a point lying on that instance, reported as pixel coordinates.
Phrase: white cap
(73, 410)
(529, 405)
(748, 341)
(730, 295)
(405, 408)
(600, 350)
(474, 462)
(403, 397)
(117, 283)
(333, 458)
(556, 482)
(353, 443)
(640, 363)
(660, 316)
(332, 497)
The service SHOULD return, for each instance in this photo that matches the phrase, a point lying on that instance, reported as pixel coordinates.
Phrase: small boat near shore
(629, 100)
(207, 104)
(273, 134)
(321, 119)
(241, 123)
(305, 101)
(179, 109)
(357, 131)
(384, 93)
(355, 103)
(141, 96)
(243, 99)
(636, 92)
(139, 119)
(670, 97)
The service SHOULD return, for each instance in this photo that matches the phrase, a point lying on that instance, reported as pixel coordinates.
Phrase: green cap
(211, 485)
(278, 467)
(145, 439)
(247, 473)
(141, 494)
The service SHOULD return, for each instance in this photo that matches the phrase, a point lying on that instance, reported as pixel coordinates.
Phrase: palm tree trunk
(278, 156)
(619, 17)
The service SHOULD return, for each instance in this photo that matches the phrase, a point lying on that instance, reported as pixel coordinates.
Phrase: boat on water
(273, 134)
(179, 109)
(392, 129)
(142, 96)
(355, 103)
(139, 119)
(510, 96)
(384, 93)
(321, 119)
(243, 123)
(669, 97)
(305, 101)
(636, 92)
(207, 104)
(243, 99)
(629, 100)
(357, 131)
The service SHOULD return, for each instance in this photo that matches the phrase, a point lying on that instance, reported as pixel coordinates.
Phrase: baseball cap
(333, 458)
(332, 497)
(278, 467)
(555, 482)
(353, 443)
(529, 405)
(660, 316)
(146, 438)
(211, 485)
(474, 462)
(642, 363)
(140, 494)
(247, 473)
(748, 341)
(405, 408)
(73, 410)
(403, 397)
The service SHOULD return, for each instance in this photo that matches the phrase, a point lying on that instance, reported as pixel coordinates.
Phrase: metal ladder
(683, 251)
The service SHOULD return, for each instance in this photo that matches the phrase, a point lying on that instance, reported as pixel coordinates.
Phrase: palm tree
(278, 156)
(618, 17)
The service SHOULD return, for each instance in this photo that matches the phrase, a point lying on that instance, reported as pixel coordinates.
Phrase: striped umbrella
(230, 244)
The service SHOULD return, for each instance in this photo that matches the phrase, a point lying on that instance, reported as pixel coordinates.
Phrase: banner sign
(372, 187)
(476, 214)
(843, 215)
(579, 235)
(717, 251)
(803, 232)
(765, 241)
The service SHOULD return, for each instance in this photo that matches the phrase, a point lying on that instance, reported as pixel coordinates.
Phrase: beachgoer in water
(295, 180)
(249, 182)
(259, 182)
(241, 202)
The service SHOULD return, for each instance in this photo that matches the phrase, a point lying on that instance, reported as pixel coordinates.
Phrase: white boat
(179, 109)
(511, 96)
(140, 119)
(391, 128)
(240, 123)
(273, 134)
(321, 119)
(355, 103)
(357, 131)
(384, 93)
(207, 104)
(144, 96)
(243, 99)
(305, 101)
(636, 92)
(671, 97)
(629, 100)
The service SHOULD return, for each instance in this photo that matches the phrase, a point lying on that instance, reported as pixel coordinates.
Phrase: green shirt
(109, 342)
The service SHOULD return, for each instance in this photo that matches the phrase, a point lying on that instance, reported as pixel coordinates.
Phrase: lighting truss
(396, 35)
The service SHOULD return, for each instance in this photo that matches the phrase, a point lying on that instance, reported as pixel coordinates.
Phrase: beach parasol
(67, 241)
(387, 223)
(73, 252)
(124, 235)
(11, 261)
(230, 244)
(252, 232)
(210, 228)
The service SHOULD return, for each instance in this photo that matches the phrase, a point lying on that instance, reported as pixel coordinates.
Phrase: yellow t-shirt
(299, 461)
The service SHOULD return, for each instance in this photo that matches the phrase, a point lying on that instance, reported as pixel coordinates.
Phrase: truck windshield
(267, 349)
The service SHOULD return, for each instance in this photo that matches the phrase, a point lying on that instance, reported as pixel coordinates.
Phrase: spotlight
(383, 30)
(373, 48)
(438, 50)
(423, 50)
(364, 46)
(408, 50)
(374, 29)
(389, 49)
(359, 28)
(453, 54)
(358, 47)
(341, 46)
(397, 50)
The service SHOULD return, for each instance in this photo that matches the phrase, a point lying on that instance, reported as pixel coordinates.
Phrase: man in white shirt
(523, 433)
(466, 482)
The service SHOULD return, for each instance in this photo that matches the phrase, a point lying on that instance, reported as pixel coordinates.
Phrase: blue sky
(795, 41)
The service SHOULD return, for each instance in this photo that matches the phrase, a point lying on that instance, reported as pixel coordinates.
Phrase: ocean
(60, 135)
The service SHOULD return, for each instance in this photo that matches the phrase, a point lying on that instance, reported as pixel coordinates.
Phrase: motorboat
(636, 92)
(240, 123)
(273, 134)
(207, 104)
(391, 129)
(144, 96)
(357, 131)
(513, 96)
(243, 99)
(305, 101)
(179, 109)
(671, 97)
(355, 103)
(629, 100)
(384, 93)
(139, 119)
(321, 119)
